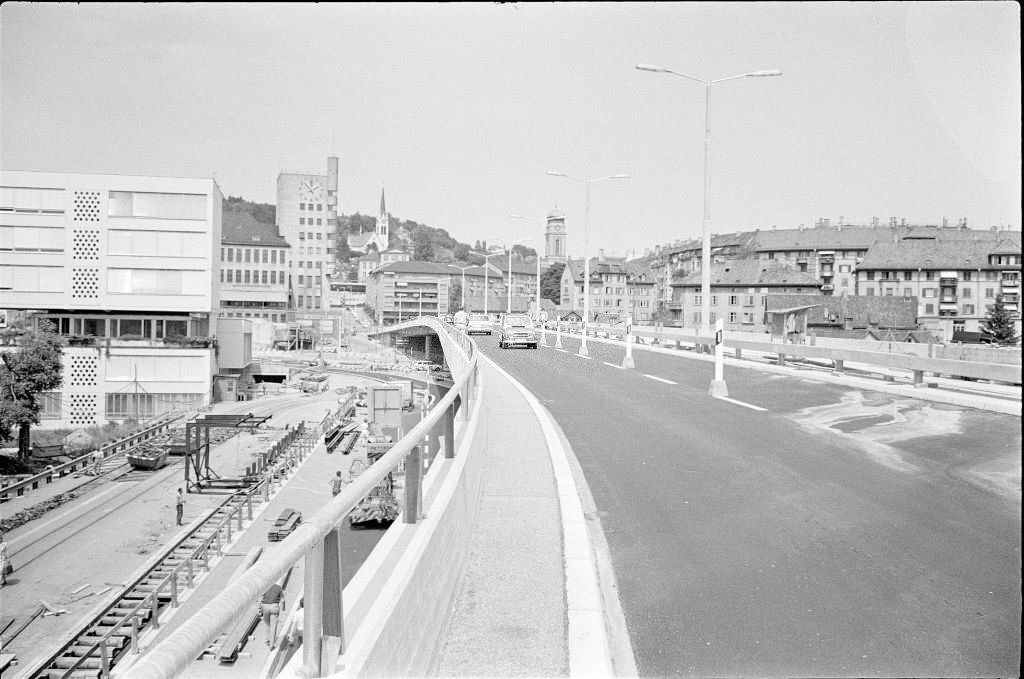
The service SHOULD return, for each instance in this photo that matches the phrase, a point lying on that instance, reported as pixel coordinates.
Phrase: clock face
(310, 189)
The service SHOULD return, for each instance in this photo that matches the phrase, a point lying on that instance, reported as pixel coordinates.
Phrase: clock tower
(554, 238)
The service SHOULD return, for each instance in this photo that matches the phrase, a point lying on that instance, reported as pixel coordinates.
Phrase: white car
(426, 365)
(479, 323)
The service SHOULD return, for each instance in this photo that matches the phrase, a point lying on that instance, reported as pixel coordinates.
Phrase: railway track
(145, 603)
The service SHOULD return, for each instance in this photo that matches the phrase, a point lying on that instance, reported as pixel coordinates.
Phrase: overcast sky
(458, 110)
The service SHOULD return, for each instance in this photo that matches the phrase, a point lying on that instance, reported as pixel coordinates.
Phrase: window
(958, 326)
(319, 222)
(908, 292)
(247, 276)
(844, 282)
(698, 300)
(714, 301)
(734, 300)
(231, 277)
(266, 256)
(929, 308)
(748, 317)
(989, 293)
(967, 275)
(908, 275)
(302, 220)
(273, 277)
(929, 275)
(155, 243)
(31, 200)
(263, 276)
(871, 275)
(969, 309)
(301, 278)
(928, 292)
(231, 254)
(248, 255)
(157, 205)
(157, 282)
(844, 268)
(965, 293)
(732, 316)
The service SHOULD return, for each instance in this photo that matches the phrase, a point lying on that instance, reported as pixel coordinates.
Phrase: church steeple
(381, 235)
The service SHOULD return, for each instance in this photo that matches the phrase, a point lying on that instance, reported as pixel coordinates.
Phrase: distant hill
(426, 243)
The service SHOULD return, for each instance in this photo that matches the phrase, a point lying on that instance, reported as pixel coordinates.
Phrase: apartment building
(125, 269)
(954, 279)
(254, 265)
(738, 291)
(404, 290)
(617, 288)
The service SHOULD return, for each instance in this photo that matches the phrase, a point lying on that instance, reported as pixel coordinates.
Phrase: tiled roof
(928, 254)
(884, 311)
(419, 268)
(241, 228)
(752, 272)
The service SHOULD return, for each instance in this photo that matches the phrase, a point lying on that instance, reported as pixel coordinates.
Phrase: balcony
(826, 259)
(949, 277)
(828, 287)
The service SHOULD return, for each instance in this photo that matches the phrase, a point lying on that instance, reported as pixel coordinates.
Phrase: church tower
(380, 236)
(554, 238)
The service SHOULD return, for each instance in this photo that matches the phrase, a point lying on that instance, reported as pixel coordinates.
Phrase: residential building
(254, 267)
(954, 279)
(617, 288)
(739, 288)
(852, 317)
(125, 267)
(375, 259)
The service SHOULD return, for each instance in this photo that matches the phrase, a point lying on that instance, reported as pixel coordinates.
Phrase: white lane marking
(581, 356)
(741, 403)
(660, 379)
(613, 365)
(589, 651)
(562, 350)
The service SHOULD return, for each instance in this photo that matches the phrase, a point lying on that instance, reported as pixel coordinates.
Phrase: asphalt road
(834, 533)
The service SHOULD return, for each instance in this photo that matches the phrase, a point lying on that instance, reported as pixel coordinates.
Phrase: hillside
(426, 243)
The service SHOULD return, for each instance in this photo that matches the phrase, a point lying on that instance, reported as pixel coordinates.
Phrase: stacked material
(284, 525)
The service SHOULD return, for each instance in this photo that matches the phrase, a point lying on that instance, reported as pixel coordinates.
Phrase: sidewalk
(533, 601)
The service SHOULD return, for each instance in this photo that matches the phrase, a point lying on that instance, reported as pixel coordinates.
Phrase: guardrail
(917, 365)
(81, 462)
(318, 542)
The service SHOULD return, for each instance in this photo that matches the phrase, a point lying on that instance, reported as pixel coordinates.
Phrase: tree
(455, 295)
(998, 326)
(551, 282)
(422, 247)
(33, 369)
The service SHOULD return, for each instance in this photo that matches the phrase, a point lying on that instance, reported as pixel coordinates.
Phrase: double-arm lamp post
(586, 254)
(705, 283)
(487, 256)
(541, 225)
(508, 245)
(463, 270)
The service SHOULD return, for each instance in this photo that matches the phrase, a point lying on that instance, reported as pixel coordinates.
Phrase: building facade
(618, 289)
(739, 289)
(554, 239)
(954, 280)
(404, 290)
(254, 267)
(125, 269)
(307, 211)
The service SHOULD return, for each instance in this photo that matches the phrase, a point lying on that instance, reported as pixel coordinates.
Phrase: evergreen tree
(998, 326)
(551, 283)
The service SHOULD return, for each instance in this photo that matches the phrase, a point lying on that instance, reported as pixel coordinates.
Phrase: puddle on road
(875, 423)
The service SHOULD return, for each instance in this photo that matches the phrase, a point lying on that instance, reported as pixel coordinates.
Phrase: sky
(459, 110)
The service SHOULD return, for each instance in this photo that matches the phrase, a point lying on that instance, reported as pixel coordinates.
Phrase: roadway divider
(919, 366)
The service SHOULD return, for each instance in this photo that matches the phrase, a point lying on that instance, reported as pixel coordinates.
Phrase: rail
(100, 654)
(917, 365)
(81, 462)
(318, 541)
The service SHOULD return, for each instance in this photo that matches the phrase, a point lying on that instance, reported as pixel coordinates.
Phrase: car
(479, 324)
(426, 365)
(449, 318)
(517, 330)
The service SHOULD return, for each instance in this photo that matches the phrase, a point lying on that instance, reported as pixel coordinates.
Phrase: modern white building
(125, 268)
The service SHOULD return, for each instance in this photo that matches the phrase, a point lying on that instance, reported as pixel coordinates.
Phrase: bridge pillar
(919, 379)
(837, 366)
(449, 432)
(426, 347)
(413, 490)
(312, 612)
(781, 360)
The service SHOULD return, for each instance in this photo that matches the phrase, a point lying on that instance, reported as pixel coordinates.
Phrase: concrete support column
(426, 347)
(413, 489)
(312, 612)
(919, 378)
(837, 365)
(449, 432)
(333, 644)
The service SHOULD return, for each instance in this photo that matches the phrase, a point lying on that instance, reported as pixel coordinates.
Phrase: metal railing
(318, 541)
(917, 365)
(81, 462)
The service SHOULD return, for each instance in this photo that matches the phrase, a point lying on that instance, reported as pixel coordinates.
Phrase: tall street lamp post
(509, 244)
(540, 223)
(486, 281)
(463, 270)
(705, 283)
(586, 255)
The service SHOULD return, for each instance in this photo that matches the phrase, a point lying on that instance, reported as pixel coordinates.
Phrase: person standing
(269, 609)
(179, 506)
(5, 561)
(97, 460)
(336, 484)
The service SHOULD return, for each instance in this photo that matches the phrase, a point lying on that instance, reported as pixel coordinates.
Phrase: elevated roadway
(799, 528)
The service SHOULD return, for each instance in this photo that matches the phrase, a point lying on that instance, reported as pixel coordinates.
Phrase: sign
(718, 337)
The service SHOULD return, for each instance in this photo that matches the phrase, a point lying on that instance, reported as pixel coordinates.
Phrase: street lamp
(539, 322)
(508, 246)
(586, 255)
(487, 256)
(705, 283)
(463, 270)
